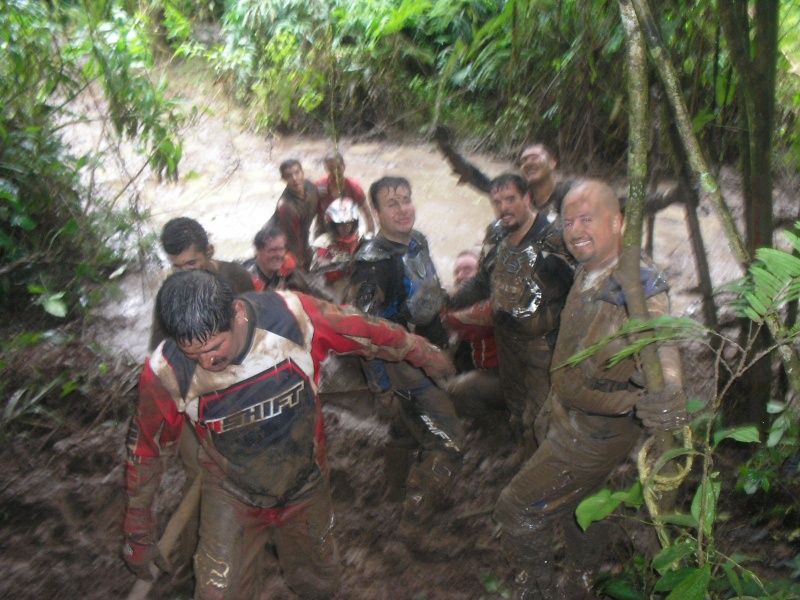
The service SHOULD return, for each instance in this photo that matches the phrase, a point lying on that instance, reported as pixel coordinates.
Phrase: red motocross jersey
(260, 420)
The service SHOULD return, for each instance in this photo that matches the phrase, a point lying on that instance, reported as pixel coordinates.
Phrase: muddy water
(230, 183)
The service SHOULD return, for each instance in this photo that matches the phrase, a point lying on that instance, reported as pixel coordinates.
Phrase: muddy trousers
(231, 555)
(476, 393)
(578, 454)
(425, 436)
(525, 380)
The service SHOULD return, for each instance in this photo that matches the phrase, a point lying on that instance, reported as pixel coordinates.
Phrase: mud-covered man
(273, 267)
(243, 373)
(295, 210)
(529, 282)
(394, 278)
(596, 413)
(187, 246)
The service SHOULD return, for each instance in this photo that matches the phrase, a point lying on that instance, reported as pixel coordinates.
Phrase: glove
(664, 410)
(139, 550)
(436, 364)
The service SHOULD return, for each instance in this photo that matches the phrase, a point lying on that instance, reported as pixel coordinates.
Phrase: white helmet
(340, 211)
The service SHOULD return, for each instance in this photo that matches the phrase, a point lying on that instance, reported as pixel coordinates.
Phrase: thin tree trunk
(707, 183)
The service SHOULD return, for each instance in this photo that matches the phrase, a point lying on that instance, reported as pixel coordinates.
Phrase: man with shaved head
(595, 413)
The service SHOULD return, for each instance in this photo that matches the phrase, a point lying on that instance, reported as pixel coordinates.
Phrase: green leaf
(24, 222)
(694, 404)
(711, 494)
(672, 579)
(622, 589)
(55, 306)
(747, 434)
(595, 508)
(733, 578)
(694, 587)
(663, 561)
(774, 407)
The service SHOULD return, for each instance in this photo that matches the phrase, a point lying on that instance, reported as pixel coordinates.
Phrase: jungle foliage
(59, 233)
(501, 72)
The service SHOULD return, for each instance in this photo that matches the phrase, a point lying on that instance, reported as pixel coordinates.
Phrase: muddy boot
(396, 466)
(429, 484)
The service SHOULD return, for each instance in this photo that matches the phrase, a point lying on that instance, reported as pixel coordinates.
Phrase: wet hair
(191, 306)
(471, 253)
(180, 234)
(546, 147)
(288, 164)
(386, 183)
(333, 157)
(265, 234)
(509, 179)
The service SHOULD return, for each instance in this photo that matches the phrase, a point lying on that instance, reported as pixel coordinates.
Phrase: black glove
(664, 410)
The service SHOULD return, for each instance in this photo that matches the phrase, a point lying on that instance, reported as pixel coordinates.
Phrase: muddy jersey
(529, 287)
(259, 420)
(293, 216)
(595, 309)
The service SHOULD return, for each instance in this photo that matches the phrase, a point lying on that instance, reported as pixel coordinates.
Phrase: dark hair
(180, 234)
(194, 305)
(265, 234)
(546, 147)
(471, 253)
(386, 183)
(332, 158)
(288, 164)
(509, 179)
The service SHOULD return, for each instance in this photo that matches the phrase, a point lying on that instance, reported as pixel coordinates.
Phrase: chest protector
(425, 298)
(516, 293)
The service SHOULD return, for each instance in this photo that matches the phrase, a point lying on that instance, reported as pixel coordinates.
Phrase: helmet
(341, 211)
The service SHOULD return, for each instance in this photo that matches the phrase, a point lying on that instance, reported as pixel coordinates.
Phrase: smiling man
(596, 411)
(394, 278)
(243, 373)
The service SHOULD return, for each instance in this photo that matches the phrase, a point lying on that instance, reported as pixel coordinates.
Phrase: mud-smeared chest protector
(515, 290)
(425, 298)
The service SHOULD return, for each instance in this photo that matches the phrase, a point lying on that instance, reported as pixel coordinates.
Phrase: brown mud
(61, 496)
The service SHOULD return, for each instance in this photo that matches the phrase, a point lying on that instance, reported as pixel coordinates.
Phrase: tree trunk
(706, 181)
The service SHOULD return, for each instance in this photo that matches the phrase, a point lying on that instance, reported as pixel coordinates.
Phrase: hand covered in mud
(664, 410)
(439, 367)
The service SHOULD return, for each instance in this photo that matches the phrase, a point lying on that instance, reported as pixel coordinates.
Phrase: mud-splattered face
(191, 259)
(592, 229)
(396, 213)
(465, 268)
(294, 178)
(512, 207)
(218, 351)
(270, 257)
(536, 164)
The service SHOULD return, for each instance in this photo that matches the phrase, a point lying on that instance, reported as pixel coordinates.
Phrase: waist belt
(610, 386)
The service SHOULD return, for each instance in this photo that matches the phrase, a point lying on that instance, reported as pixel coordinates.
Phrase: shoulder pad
(419, 238)
(653, 283)
(495, 232)
(373, 250)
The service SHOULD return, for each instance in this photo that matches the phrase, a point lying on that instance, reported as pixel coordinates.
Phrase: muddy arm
(466, 171)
